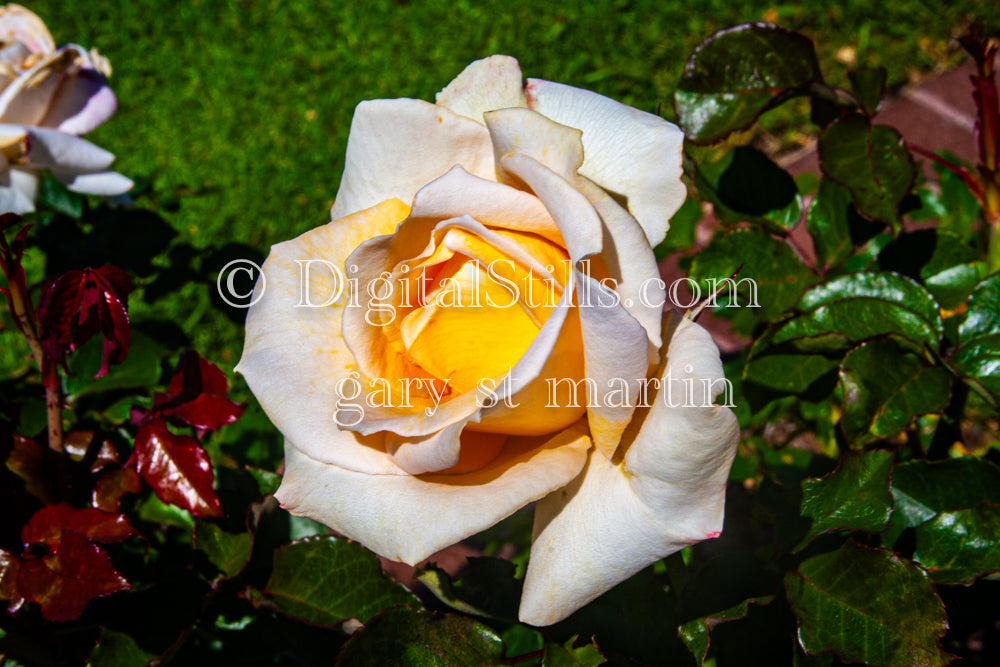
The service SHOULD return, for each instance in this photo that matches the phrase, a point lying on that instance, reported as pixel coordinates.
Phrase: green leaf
(978, 357)
(267, 481)
(958, 546)
(948, 267)
(696, 632)
(414, 638)
(868, 85)
(855, 496)
(982, 319)
(745, 185)
(868, 605)
(952, 205)
(885, 387)
(152, 509)
(564, 655)
(117, 649)
(487, 588)
(736, 74)
(141, 367)
(771, 280)
(858, 306)
(872, 162)
(922, 489)
(775, 371)
(683, 225)
(59, 198)
(828, 221)
(228, 552)
(324, 580)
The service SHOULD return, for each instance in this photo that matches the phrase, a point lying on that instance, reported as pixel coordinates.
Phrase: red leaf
(51, 523)
(177, 468)
(9, 593)
(197, 395)
(80, 304)
(64, 581)
(27, 461)
(113, 485)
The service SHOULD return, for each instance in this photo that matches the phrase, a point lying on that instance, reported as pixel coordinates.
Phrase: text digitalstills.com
(323, 284)
(384, 295)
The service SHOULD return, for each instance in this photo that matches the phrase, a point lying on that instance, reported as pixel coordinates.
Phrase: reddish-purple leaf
(51, 523)
(177, 468)
(113, 485)
(80, 304)
(9, 593)
(78, 443)
(197, 395)
(69, 577)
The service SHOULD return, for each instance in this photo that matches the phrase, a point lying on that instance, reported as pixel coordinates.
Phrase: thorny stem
(26, 320)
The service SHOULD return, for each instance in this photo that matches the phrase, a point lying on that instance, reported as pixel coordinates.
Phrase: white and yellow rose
(492, 253)
(48, 97)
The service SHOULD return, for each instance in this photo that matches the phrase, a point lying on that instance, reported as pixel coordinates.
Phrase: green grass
(237, 113)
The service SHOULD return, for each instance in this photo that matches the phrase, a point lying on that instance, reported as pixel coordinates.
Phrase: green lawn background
(235, 115)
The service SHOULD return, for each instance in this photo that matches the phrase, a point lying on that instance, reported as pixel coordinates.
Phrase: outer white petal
(23, 25)
(485, 85)
(83, 101)
(61, 150)
(668, 492)
(294, 359)
(103, 183)
(628, 152)
(18, 189)
(409, 518)
(397, 146)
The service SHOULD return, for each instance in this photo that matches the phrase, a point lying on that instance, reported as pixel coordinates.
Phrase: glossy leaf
(979, 335)
(746, 185)
(829, 224)
(118, 649)
(564, 655)
(859, 306)
(871, 162)
(177, 469)
(27, 460)
(958, 546)
(868, 85)
(49, 524)
(227, 552)
(415, 638)
(736, 74)
(778, 371)
(696, 633)
(855, 496)
(64, 581)
(922, 489)
(113, 486)
(197, 395)
(10, 595)
(772, 277)
(487, 588)
(942, 261)
(885, 387)
(867, 605)
(325, 580)
(82, 303)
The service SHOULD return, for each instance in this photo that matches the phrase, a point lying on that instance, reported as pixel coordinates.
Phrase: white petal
(81, 104)
(628, 152)
(409, 518)
(397, 146)
(60, 150)
(103, 183)
(668, 492)
(294, 359)
(485, 85)
(23, 25)
(18, 189)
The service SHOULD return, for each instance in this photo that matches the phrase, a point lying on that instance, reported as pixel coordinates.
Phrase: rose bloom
(48, 96)
(487, 255)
